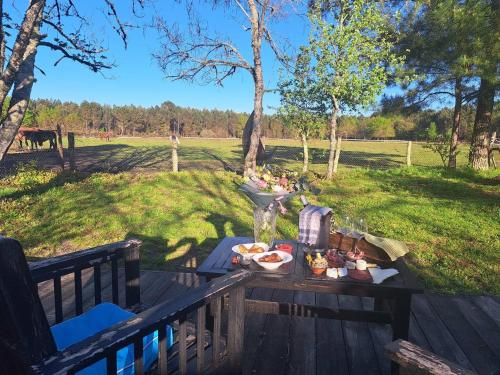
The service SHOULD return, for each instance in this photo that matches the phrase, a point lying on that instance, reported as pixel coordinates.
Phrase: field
(449, 219)
(153, 154)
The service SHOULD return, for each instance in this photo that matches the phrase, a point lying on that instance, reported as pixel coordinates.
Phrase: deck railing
(106, 344)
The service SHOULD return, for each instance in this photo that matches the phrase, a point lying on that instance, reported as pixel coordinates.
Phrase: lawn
(449, 219)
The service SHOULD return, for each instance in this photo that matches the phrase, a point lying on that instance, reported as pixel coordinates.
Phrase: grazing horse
(105, 135)
(25, 134)
(37, 137)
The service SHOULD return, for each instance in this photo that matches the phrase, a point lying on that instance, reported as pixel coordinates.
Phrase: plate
(249, 256)
(275, 265)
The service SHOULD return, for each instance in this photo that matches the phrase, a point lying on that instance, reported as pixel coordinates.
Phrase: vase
(264, 224)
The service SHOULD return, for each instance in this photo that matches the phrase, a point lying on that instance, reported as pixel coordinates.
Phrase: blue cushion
(97, 319)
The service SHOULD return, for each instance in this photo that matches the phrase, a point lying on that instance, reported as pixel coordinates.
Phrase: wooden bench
(27, 344)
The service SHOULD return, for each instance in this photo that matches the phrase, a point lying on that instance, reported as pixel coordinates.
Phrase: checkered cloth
(310, 223)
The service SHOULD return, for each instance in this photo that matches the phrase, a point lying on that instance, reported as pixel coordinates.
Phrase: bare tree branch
(94, 64)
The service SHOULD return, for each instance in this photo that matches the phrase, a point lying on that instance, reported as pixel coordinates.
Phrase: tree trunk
(306, 153)
(20, 95)
(452, 161)
(333, 141)
(478, 156)
(257, 33)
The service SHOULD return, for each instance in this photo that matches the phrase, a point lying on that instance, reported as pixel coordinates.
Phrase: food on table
(360, 275)
(355, 255)
(309, 259)
(361, 264)
(235, 260)
(319, 264)
(342, 271)
(286, 247)
(350, 265)
(371, 265)
(334, 259)
(332, 272)
(253, 250)
(271, 258)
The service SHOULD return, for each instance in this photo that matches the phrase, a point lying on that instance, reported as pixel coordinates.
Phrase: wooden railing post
(71, 151)
(236, 328)
(60, 148)
(132, 276)
(408, 154)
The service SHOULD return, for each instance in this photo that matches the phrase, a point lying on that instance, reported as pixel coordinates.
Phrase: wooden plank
(381, 335)
(138, 353)
(489, 306)
(330, 339)
(359, 345)
(200, 339)
(217, 257)
(58, 306)
(482, 324)
(236, 328)
(78, 292)
(481, 357)
(216, 311)
(162, 351)
(255, 332)
(97, 284)
(114, 281)
(440, 339)
(302, 336)
(111, 364)
(419, 361)
(132, 276)
(182, 346)
(276, 341)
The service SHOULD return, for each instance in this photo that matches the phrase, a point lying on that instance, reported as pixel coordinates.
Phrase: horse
(106, 135)
(25, 134)
(37, 138)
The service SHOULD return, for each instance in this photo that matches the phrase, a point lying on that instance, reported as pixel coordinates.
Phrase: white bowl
(275, 265)
(249, 256)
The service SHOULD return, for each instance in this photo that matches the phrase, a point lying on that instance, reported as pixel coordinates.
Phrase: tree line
(392, 120)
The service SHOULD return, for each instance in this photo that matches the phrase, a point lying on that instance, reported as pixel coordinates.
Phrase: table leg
(400, 322)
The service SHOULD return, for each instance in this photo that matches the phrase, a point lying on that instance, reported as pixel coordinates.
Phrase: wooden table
(392, 297)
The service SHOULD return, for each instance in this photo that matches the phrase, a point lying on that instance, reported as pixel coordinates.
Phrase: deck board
(465, 330)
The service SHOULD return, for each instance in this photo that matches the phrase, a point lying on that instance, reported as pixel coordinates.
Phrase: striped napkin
(310, 223)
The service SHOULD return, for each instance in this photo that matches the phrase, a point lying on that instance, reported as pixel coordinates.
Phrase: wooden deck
(465, 330)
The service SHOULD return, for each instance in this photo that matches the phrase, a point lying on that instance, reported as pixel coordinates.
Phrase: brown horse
(37, 137)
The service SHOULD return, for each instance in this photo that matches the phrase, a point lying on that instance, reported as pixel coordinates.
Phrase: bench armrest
(420, 361)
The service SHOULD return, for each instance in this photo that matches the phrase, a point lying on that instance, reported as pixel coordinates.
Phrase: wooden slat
(111, 363)
(236, 328)
(441, 340)
(330, 337)
(78, 292)
(132, 276)
(182, 346)
(138, 356)
(489, 306)
(58, 299)
(216, 311)
(162, 351)
(359, 345)
(97, 284)
(114, 281)
(419, 361)
(200, 339)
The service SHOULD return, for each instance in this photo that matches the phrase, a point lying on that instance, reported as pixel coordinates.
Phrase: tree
(301, 106)
(45, 24)
(199, 54)
(351, 42)
(487, 64)
(380, 127)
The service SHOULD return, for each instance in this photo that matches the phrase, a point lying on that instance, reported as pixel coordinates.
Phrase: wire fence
(155, 154)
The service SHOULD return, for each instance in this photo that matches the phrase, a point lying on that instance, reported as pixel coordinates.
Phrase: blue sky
(138, 80)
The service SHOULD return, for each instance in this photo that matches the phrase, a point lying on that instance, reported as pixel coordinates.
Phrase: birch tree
(352, 44)
(54, 24)
(197, 52)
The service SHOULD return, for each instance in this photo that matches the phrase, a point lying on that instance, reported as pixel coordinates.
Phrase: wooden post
(71, 151)
(408, 154)
(60, 146)
(236, 328)
(337, 154)
(132, 276)
(175, 160)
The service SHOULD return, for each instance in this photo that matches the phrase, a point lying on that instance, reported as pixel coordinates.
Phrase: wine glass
(361, 225)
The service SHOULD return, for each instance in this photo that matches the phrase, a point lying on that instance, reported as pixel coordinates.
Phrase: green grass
(449, 219)
(154, 153)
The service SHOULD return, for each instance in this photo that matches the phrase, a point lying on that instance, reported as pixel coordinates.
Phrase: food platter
(251, 261)
(272, 260)
(248, 250)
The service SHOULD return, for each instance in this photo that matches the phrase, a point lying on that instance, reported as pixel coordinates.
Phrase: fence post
(337, 154)
(175, 160)
(71, 151)
(60, 148)
(408, 154)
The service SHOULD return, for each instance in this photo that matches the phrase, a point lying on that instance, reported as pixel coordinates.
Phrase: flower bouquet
(268, 189)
